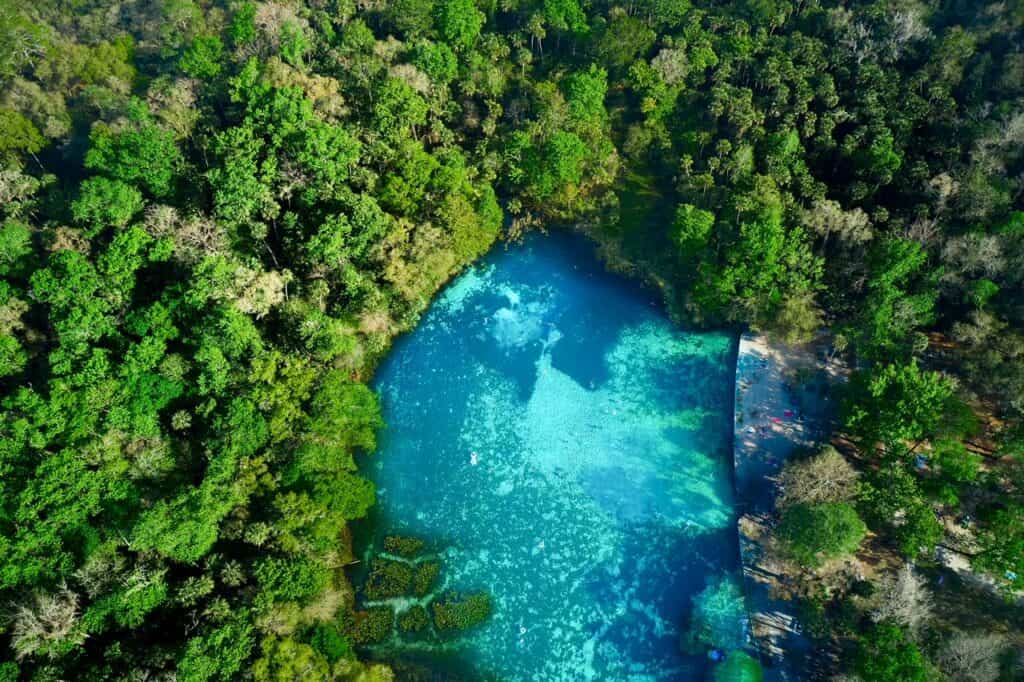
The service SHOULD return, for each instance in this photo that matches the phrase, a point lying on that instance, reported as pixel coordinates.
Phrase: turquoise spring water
(566, 448)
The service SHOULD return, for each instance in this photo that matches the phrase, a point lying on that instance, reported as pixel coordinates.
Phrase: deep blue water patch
(567, 449)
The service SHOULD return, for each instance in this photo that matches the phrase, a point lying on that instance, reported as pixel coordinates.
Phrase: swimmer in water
(540, 545)
(474, 459)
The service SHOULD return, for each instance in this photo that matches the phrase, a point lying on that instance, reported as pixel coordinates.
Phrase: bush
(812, 533)
(330, 642)
(886, 654)
(458, 612)
(825, 477)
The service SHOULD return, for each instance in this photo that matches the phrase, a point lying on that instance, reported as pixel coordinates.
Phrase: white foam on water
(454, 297)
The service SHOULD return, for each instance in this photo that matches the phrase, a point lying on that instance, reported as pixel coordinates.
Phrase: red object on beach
(776, 420)
(788, 413)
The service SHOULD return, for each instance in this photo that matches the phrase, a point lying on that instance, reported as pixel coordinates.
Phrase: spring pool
(567, 448)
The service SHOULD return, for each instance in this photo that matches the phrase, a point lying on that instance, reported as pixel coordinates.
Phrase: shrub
(825, 477)
(886, 654)
(812, 533)
(329, 641)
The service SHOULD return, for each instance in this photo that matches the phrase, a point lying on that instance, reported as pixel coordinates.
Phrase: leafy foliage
(813, 533)
(215, 217)
(886, 654)
(460, 612)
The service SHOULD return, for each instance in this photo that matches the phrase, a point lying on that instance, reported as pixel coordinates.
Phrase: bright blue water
(568, 449)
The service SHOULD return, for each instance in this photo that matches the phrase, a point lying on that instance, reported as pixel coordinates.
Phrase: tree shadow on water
(661, 571)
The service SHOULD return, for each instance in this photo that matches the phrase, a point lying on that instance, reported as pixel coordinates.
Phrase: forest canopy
(215, 215)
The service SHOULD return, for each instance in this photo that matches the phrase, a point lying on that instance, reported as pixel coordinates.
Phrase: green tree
(285, 659)
(412, 18)
(12, 356)
(16, 251)
(566, 15)
(813, 533)
(956, 467)
(298, 578)
(900, 299)
(892, 500)
(203, 57)
(458, 22)
(397, 108)
(887, 654)
(242, 29)
(691, 230)
(103, 202)
(896, 404)
(738, 667)
(219, 653)
(142, 153)
(584, 93)
(623, 40)
(344, 416)
(294, 44)
(436, 60)
(762, 266)
(881, 159)
(18, 135)
(564, 156)
(1002, 545)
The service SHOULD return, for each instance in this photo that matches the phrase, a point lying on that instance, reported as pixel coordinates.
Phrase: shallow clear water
(567, 449)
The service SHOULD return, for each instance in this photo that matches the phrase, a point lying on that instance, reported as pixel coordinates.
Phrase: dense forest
(217, 215)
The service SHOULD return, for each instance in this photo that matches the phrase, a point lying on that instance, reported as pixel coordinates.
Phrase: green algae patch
(461, 612)
(414, 620)
(389, 579)
(373, 625)
(425, 576)
(403, 546)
